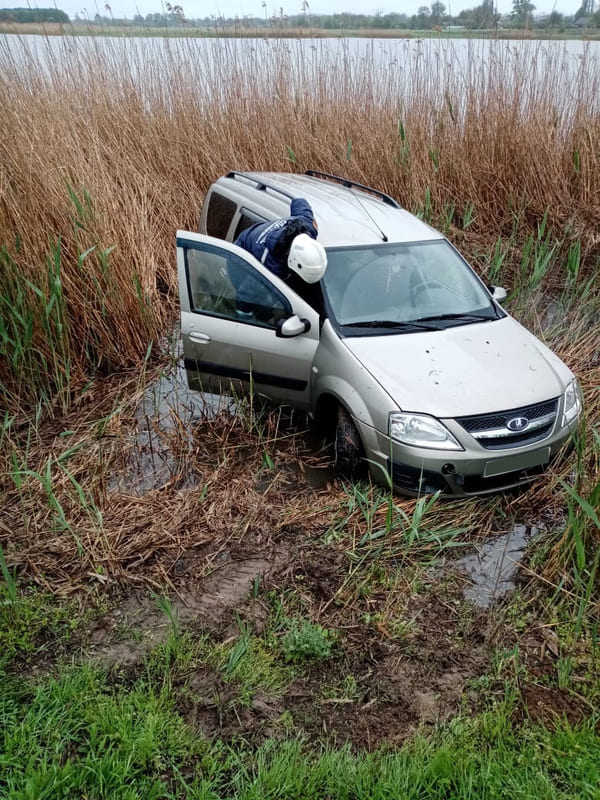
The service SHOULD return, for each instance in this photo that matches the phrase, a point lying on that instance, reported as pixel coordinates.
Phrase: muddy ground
(377, 688)
(235, 524)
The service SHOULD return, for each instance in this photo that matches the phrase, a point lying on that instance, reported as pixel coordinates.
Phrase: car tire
(348, 449)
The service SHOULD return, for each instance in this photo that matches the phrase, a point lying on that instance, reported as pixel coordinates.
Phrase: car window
(219, 215)
(246, 220)
(223, 284)
(401, 283)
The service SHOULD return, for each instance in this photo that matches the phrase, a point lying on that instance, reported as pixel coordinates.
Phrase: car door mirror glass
(292, 326)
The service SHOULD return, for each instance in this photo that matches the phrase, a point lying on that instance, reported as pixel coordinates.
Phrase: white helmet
(307, 258)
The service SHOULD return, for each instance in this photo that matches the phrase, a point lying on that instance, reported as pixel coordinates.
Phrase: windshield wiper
(466, 318)
(416, 325)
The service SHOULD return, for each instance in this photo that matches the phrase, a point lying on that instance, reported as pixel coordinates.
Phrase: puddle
(491, 570)
(163, 438)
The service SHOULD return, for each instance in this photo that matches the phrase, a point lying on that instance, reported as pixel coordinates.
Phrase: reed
(107, 147)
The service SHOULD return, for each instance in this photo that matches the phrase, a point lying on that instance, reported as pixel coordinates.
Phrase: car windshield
(414, 286)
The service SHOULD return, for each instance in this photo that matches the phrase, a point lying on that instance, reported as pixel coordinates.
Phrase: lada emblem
(517, 424)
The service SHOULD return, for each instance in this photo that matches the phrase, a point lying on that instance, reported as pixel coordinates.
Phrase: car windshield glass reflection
(420, 282)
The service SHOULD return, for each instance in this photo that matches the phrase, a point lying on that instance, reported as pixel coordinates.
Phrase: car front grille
(513, 428)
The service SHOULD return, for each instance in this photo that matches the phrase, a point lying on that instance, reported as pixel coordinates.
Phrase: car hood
(468, 369)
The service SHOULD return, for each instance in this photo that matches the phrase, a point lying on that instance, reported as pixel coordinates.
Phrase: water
(383, 70)
(491, 571)
(162, 442)
(163, 439)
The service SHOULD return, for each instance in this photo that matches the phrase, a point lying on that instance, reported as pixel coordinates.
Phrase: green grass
(252, 663)
(465, 761)
(303, 640)
(75, 734)
(379, 526)
(79, 735)
(31, 620)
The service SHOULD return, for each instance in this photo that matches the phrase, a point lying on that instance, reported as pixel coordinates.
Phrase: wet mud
(379, 686)
(162, 438)
(228, 529)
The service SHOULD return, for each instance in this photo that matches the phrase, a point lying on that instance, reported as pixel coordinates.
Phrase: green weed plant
(303, 640)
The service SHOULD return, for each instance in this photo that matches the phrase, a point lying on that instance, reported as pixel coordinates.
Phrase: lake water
(378, 70)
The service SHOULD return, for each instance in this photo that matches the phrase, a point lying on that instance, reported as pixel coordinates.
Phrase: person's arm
(301, 208)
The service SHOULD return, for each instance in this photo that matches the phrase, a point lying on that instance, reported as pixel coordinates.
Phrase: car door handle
(199, 338)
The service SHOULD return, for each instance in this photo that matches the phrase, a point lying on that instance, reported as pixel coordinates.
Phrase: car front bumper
(473, 471)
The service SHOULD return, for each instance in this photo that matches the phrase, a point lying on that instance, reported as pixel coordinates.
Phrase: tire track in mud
(207, 606)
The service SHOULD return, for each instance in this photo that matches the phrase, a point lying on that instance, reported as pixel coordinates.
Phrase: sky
(254, 8)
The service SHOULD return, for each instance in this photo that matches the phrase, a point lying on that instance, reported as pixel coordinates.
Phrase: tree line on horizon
(435, 16)
(33, 15)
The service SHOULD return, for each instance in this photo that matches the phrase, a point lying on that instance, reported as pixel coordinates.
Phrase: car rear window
(247, 219)
(219, 215)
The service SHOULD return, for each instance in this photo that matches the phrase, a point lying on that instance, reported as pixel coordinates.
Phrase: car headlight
(420, 430)
(572, 403)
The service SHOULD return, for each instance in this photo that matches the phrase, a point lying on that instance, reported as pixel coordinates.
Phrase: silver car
(401, 352)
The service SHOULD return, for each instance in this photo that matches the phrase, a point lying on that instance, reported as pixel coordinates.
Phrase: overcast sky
(254, 8)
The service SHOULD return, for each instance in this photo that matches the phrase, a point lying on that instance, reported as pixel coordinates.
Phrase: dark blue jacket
(269, 242)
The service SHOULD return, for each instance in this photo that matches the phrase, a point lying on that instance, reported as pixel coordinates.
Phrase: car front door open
(231, 311)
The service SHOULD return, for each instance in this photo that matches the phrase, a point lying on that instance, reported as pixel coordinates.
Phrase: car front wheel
(348, 448)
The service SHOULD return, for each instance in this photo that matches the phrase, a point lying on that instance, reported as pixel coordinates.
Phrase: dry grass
(87, 501)
(75, 512)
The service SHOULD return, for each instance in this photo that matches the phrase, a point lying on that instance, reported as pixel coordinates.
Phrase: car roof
(346, 214)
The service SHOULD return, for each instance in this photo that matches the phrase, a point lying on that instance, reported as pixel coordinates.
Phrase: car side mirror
(498, 293)
(292, 326)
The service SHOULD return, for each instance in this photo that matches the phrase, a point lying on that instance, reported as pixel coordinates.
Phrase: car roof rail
(313, 173)
(260, 185)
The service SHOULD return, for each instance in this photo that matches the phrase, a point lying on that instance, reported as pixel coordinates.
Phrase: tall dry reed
(107, 146)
